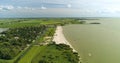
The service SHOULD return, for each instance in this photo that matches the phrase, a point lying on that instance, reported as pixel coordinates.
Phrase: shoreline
(59, 37)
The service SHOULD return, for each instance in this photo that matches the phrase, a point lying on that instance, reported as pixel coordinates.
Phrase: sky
(59, 8)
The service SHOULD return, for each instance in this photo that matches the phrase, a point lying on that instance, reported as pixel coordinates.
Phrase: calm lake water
(98, 43)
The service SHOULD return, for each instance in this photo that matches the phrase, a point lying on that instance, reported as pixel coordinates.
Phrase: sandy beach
(59, 37)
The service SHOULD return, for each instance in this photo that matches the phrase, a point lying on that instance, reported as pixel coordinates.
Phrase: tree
(43, 61)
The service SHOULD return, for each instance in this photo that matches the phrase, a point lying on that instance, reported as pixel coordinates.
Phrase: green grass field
(31, 54)
(13, 23)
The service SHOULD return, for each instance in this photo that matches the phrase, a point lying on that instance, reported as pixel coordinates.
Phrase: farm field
(96, 43)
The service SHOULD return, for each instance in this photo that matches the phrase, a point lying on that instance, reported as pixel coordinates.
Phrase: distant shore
(59, 37)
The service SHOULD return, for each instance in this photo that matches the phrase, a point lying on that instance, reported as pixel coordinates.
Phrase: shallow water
(98, 43)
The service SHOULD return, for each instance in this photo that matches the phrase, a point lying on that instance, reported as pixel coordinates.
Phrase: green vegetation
(50, 32)
(21, 43)
(31, 54)
(15, 40)
(50, 53)
(53, 53)
(15, 23)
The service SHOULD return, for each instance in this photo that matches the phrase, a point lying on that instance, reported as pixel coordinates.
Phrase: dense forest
(14, 40)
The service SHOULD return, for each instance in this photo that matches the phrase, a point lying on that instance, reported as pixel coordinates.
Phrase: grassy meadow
(13, 23)
(31, 54)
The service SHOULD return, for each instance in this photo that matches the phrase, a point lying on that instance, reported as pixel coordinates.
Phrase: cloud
(6, 7)
(24, 8)
(60, 7)
(69, 5)
(43, 8)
